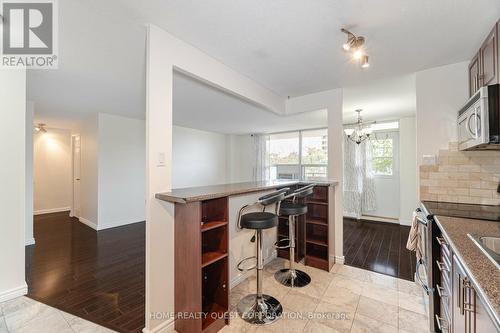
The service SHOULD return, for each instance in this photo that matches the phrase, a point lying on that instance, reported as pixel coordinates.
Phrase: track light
(355, 44)
(364, 62)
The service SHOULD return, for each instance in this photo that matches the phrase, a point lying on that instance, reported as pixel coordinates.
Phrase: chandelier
(360, 132)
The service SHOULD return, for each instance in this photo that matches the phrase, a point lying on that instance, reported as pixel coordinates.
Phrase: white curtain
(261, 169)
(359, 185)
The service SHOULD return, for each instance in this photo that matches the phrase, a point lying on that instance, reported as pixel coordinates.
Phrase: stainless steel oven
(423, 270)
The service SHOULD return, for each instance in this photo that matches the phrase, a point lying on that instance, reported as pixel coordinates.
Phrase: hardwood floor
(379, 247)
(98, 276)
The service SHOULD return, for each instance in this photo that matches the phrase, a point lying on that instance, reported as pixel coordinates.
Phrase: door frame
(75, 212)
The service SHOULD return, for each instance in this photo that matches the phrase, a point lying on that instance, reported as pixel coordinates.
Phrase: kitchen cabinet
(483, 68)
(468, 312)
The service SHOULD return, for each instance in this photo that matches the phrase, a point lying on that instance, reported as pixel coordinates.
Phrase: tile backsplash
(462, 176)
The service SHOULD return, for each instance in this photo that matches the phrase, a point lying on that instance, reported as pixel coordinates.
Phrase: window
(298, 155)
(284, 155)
(382, 156)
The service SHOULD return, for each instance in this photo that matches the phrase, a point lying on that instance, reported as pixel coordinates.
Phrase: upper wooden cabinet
(483, 68)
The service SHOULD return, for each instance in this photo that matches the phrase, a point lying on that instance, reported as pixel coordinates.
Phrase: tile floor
(347, 299)
(24, 315)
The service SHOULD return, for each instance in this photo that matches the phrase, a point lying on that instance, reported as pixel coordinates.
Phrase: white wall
(12, 180)
(52, 171)
(164, 54)
(30, 110)
(198, 158)
(407, 169)
(121, 171)
(241, 158)
(89, 171)
(440, 92)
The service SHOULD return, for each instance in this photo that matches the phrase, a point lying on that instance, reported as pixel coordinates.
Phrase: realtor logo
(29, 36)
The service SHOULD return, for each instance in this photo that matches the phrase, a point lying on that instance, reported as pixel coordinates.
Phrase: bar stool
(292, 277)
(259, 308)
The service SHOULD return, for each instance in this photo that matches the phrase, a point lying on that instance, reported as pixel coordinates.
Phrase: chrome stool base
(292, 278)
(263, 311)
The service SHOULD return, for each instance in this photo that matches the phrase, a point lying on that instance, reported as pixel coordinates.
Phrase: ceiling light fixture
(360, 132)
(355, 44)
(40, 128)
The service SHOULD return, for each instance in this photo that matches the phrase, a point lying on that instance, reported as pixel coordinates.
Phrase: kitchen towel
(414, 242)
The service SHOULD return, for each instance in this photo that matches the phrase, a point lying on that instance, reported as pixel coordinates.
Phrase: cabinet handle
(442, 326)
(440, 291)
(466, 306)
(441, 266)
(441, 241)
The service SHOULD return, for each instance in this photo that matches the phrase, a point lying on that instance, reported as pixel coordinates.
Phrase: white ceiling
(200, 106)
(289, 46)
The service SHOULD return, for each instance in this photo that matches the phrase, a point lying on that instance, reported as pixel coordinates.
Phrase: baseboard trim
(166, 326)
(29, 241)
(110, 226)
(7, 295)
(88, 223)
(404, 222)
(339, 260)
(51, 210)
(242, 277)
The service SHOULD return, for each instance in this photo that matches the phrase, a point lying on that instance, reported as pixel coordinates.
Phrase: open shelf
(317, 221)
(316, 202)
(206, 226)
(214, 294)
(214, 210)
(317, 234)
(209, 258)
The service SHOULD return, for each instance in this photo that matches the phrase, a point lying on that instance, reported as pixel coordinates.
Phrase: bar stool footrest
(278, 246)
(245, 260)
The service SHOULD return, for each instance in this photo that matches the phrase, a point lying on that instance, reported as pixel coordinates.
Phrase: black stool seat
(259, 220)
(290, 208)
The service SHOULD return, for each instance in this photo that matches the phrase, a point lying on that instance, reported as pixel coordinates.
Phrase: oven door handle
(422, 283)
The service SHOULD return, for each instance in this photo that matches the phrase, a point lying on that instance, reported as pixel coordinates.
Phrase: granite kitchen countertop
(190, 194)
(483, 273)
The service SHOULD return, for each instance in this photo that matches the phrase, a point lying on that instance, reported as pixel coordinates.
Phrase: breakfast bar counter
(208, 243)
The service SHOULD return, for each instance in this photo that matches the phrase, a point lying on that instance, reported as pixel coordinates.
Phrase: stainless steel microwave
(479, 120)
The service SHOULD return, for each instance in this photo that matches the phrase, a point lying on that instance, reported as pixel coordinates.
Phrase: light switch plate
(161, 159)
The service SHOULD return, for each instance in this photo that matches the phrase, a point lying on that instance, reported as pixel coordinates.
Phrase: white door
(76, 159)
(386, 177)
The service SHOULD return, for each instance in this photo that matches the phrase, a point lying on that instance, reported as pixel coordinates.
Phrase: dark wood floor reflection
(378, 247)
(98, 276)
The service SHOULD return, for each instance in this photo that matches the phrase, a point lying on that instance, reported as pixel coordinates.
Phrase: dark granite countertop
(190, 194)
(483, 273)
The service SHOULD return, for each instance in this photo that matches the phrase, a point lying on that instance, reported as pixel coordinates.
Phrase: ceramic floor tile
(54, 322)
(283, 325)
(23, 312)
(382, 280)
(334, 316)
(380, 293)
(16, 304)
(299, 303)
(237, 325)
(409, 287)
(341, 296)
(412, 322)
(353, 272)
(363, 324)
(411, 303)
(382, 312)
(79, 325)
(354, 285)
(315, 327)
